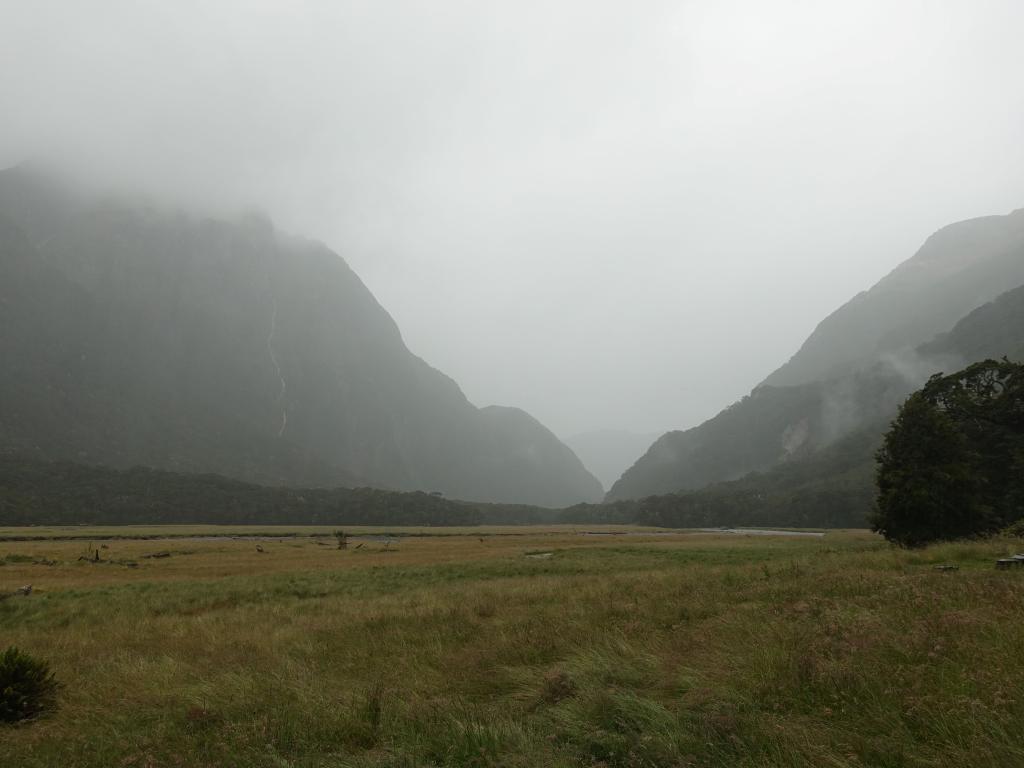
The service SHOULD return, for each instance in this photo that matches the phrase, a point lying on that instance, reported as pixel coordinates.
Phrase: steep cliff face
(859, 364)
(137, 336)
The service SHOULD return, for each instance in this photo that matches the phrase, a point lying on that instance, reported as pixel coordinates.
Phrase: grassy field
(546, 648)
(107, 532)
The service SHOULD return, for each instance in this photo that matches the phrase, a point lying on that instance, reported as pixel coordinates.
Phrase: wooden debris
(1005, 563)
(947, 567)
(91, 555)
(259, 547)
(25, 590)
(157, 555)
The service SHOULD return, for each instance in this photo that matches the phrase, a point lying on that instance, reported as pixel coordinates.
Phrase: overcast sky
(612, 214)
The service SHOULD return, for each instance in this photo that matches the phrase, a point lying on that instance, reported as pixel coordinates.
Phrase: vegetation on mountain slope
(34, 492)
(771, 427)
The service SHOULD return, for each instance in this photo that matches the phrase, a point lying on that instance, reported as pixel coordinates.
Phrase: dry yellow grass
(194, 557)
(647, 650)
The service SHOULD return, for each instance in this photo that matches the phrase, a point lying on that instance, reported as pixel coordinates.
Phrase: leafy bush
(27, 687)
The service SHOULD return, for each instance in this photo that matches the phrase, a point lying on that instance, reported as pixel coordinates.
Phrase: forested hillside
(63, 493)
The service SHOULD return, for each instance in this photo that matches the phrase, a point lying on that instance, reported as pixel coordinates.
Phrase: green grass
(451, 651)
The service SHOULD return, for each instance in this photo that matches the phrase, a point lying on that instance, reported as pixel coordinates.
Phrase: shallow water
(759, 532)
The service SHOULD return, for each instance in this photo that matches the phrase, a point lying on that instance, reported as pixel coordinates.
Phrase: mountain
(858, 365)
(833, 486)
(992, 331)
(132, 335)
(958, 268)
(769, 427)
(607, 453)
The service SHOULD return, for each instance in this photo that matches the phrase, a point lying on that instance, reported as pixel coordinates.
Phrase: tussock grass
(447, 651)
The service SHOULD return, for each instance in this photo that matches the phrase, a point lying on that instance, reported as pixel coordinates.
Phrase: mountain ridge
(195, 344)
(835, 485)
(958, 268)
(863, 374)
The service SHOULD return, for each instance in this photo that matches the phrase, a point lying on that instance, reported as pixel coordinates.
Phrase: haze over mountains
(859, 364)
(610, 452)
(134, 335)
(140, 335)
(607, 214)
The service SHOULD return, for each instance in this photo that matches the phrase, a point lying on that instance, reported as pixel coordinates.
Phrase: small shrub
(27, 687)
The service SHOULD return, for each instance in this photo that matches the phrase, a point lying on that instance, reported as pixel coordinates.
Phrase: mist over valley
(478, 384)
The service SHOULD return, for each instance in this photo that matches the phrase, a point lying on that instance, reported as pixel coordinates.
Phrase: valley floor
(514, 647)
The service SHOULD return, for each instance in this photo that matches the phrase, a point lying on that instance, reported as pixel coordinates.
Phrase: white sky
(611, 214)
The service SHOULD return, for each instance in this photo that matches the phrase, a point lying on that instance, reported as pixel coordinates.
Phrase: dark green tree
(951, 464)
(926, 487)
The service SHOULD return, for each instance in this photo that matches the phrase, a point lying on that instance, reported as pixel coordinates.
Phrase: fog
(614, 215)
